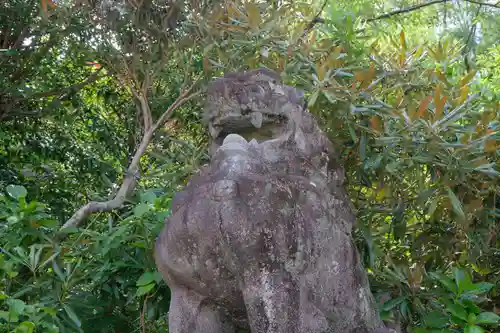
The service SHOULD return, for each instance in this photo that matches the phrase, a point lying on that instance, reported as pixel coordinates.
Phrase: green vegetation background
(98, 100)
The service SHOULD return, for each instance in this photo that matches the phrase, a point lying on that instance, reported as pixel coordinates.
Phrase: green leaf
(16, 305)
(352, 133)
(313, 98)
(331, 98)
(362, 146)
(432, 207)
(70, 230)
(420, 330)
(12, 274)
(457, 310)
(158, 277)
(393, 302)
(17, 191)
(144, 289)
(13, 317)
(148, 197)
(487, 318)
(473, 329)
(145, 279)
(472, 318)
(25, 327)
(141, 209)
(463, 279)
(471, 307)
(385, 315)
(48, 223)
(4, 315)
(436, 319)
(72, 315)
(13, 219)
(456, 204)
(446, 281)
(480, 288)
(58, 271)
(50, 311)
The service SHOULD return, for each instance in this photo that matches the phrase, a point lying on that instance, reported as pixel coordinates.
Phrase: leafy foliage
(413, 110)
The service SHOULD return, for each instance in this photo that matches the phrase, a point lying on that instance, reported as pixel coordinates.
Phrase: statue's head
(257, 106)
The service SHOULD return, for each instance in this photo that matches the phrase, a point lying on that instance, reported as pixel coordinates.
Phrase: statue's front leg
(272, 302)
(189, 313)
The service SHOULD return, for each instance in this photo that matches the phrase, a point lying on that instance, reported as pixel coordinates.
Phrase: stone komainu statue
(260, 240)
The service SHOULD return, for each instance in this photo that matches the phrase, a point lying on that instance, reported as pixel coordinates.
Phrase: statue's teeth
(256, 119)
(234, 138)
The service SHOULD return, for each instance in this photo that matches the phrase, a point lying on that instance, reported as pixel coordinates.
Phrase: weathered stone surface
(261, 238)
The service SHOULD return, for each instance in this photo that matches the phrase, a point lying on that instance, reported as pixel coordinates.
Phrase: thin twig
(484, 3)
(144, 103)
(405, 10)
(422, 5)
(183, 98)
(312, 23)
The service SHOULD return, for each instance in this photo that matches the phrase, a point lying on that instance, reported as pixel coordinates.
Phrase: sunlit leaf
(16, 191)
(466, 79)
(469, 328)
(142, 290)
(25, 327)
(16, 306)
(253, 12)
(464, 92)
(402, 40)
(463, 279)
(141, 209)
(480, 288)
(145, 278)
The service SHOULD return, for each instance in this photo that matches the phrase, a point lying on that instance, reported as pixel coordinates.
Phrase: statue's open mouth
(270, 126)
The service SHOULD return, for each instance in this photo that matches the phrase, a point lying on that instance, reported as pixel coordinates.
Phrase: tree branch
(484, 3)
(316, 19)
(422, 5)
(132, 173)
(143, 99)
(405, 10)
